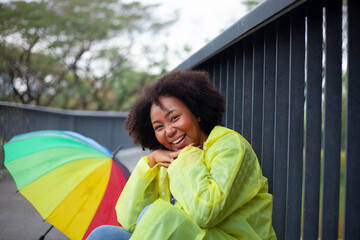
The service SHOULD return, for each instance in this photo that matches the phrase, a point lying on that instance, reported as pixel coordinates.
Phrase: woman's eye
(158, 127)
(174, 118)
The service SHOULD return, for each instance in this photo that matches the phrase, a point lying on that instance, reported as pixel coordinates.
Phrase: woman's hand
(164, 157)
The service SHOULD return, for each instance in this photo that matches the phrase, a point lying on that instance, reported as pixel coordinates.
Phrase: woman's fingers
(162, 156)
(173, 155)
(165, 164)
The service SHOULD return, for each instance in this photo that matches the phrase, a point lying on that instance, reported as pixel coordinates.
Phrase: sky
(199, 22)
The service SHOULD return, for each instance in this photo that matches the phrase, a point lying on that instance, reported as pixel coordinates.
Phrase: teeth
(178, 140)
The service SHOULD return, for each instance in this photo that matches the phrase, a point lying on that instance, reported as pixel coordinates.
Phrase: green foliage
(73, 53)
(250, 4)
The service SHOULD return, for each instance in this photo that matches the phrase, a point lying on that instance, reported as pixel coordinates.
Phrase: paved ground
(19, 219)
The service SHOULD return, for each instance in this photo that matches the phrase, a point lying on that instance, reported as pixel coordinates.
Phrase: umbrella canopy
(71, 180)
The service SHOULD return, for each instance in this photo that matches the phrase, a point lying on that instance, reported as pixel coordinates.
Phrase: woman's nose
(170, 131)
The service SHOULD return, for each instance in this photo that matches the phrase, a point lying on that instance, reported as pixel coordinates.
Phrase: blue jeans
(113, 232)
(110, 233)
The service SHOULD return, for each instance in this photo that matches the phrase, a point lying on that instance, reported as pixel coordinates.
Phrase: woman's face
(175, 125)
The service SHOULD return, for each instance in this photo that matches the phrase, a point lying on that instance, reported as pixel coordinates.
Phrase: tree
(250, 4)
(71, 53)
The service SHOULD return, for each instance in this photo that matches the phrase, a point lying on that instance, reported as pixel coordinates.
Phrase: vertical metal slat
(238, 125)
(313, 121)
(217, 72)
(352, 174)
(332, 121)
(223, 74)
(257, 95)
(247, 89)
(223, 82)
(281, 125)
(269, 104)
(296, 125)
(230, 90)
(211, 71)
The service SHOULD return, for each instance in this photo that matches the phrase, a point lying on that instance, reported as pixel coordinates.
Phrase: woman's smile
(179, 140)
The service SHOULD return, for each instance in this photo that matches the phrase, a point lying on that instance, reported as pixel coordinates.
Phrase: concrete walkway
(19, 219)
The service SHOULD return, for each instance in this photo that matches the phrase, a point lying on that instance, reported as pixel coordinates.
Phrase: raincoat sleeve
(140, 190)
(211, 184)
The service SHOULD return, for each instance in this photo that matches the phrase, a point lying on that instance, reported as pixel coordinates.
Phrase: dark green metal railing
(107, 128)
(280, 67)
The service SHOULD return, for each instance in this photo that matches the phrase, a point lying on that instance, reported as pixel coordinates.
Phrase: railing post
(296, 125)
(230, 88)
(352, 177)
(281, 125)
(247, 88)
(332, 120)
(239, 79)
(313, 120)
(269, 104)
(257, 93)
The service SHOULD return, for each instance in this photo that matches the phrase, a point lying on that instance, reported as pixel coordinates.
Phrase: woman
(211, 171)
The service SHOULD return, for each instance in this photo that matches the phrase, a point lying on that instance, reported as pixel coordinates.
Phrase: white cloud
(199, 22)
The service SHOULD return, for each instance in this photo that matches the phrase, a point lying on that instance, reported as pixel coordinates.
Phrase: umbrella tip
(43, 236)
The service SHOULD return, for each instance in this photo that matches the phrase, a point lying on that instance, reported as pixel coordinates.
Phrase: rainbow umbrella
(71, 180)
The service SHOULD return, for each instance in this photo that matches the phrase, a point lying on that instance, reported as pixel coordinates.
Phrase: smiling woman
(201, 181)
(191, 88)
(175, 128)
(174, 124)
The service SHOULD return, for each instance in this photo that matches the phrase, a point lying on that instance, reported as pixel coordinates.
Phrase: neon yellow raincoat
(220, 192)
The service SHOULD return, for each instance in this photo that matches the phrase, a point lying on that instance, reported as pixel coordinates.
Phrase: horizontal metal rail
(107, 128)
